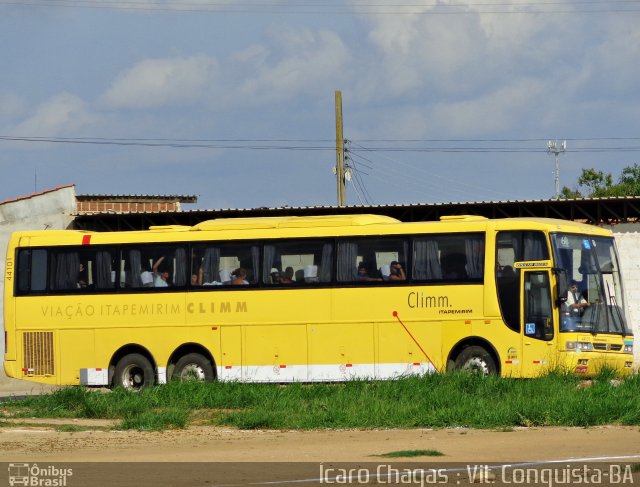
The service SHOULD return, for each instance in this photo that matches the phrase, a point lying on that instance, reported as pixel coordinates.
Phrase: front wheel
(476, 360)
(134, 372)
(194, 366)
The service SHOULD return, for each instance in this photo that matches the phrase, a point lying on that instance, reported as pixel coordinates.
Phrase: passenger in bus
(197, 269)
(454, 266)
(396, 272)
(363, 273)
(83, 277)
(275, 276)
(239, 277)
(287, 276)
(160, 274)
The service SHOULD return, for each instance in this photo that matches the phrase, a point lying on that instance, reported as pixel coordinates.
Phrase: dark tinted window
(32, 270)
(153, 266)
(297, 262)
(225, 264)
(372, 260)
(456, 257)
(80, 268)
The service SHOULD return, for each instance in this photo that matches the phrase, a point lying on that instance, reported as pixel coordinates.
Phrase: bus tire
(194, 366)
(476, 360)
(134, 372)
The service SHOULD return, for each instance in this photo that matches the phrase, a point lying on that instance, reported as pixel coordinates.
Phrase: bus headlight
(628, 348)
(579, 346)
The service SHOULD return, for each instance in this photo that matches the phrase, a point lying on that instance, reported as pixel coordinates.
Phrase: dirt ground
(296, 455)
(215, 457)
(41, 440)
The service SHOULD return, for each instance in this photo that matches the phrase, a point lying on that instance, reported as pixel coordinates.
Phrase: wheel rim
(477, 365)
(133, 377)
(192, 372)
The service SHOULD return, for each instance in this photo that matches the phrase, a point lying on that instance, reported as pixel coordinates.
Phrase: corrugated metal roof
(131, 197)
(414, 205)
(606, 210)
(384, 206)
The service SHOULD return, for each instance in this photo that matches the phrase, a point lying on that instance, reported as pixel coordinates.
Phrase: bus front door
(537, 323)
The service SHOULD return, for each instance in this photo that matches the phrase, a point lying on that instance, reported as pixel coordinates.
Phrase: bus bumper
(589, 364)
(10, 369)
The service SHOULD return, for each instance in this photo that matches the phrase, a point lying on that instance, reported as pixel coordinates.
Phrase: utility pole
(554, 148)
(340, 173)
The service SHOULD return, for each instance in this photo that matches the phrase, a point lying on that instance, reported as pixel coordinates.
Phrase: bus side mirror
(562, 284)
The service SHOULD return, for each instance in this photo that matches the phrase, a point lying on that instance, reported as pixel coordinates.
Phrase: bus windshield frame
(596, 302)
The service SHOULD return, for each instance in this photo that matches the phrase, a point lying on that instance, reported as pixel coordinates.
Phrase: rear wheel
(134, 372)
(194, 366)
(476, 360)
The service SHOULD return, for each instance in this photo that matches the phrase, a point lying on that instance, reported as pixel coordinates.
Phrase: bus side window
(297, 262)
(375, 256)
(32, 270)
(138, 263)
(453, 257)
(64, 270)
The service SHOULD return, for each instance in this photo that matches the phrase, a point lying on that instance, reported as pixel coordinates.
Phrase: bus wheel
(134, 372)
(476, 360)
(194, 366)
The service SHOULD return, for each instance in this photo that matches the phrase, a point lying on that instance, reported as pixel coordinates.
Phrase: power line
(322, 144)
(178, 144)
(316, 8)
(537, 139)
(326, 144)
(435, 187)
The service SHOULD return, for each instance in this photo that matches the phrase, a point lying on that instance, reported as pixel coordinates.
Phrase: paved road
(14, 387)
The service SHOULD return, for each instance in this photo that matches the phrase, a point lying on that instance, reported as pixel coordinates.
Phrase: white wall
(48, 210)
(628, 243)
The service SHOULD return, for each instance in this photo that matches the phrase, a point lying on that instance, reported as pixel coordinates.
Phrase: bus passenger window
(297, 262)
(222, 264)
(373, 260)
(454, 257)
(32, 270)
(154, 266)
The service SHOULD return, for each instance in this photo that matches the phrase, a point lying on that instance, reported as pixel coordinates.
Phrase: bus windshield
(594, 298)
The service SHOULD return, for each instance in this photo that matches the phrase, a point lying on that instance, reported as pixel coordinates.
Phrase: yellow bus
(322, 298)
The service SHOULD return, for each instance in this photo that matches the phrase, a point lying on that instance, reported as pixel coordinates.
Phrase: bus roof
(298, 227)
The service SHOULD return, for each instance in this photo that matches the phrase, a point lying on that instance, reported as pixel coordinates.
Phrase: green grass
(411, 454)
(434, 401)
(71, 428)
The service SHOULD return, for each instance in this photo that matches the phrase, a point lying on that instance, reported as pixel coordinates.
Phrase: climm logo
(418, 299)
(222, 307)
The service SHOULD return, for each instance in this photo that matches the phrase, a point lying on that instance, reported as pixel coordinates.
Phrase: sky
(234, 101)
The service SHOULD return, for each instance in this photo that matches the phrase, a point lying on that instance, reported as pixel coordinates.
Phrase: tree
(592, 184)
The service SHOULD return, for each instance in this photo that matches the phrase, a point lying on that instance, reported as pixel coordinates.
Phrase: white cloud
(11, 105)
(301, 61)
(435, 54)
(155, 83)
(492, 113)
(64, 113)
(615, 61)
